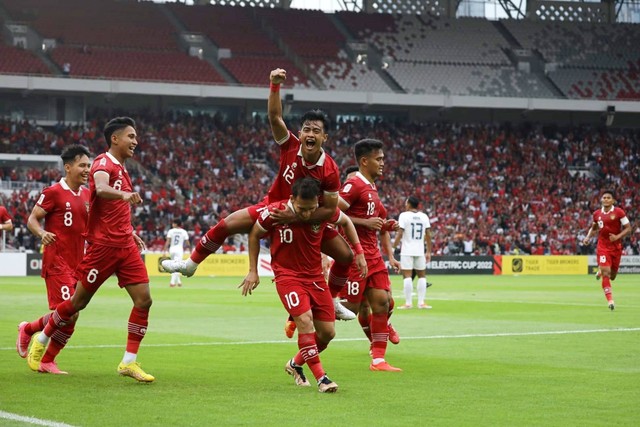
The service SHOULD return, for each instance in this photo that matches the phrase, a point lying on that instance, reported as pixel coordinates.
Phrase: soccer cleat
(289, 328)
(35, 353)
(172, 285)
(394, 338)
(297, 373)
(50, 368)
(178, 266)
(342, 312)
(429, 284)
(612, 305)
(134, 371)
(325, 385)
(22, 343)
(383, 366)
(405, 307)
(424, 307)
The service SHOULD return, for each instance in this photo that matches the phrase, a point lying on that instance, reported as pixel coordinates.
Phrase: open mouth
(310, 143)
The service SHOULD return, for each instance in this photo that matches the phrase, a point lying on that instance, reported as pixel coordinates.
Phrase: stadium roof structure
(569, 10)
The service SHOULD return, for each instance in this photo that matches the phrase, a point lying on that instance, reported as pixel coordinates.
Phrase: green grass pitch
(493, 351)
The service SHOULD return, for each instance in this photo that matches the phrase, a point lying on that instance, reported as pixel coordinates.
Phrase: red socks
(379, 335)
(58, 340)
(210, 242)
(309, 354)
(606, 287)
(37, 325)
(138, 322)
(59, 318)
(338, 276)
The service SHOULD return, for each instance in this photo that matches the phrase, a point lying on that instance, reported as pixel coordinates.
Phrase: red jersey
(67, 214)
(609, 223)
(295, 247)
(110, 220)
(364, 202)
(293, 166)
(4, 215)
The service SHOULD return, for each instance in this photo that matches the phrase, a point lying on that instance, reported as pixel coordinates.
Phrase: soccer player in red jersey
(112, 248)
(611, 224)
(64, 208)
(6, 224)
(360, 200)
(300, 156)
(296, 261)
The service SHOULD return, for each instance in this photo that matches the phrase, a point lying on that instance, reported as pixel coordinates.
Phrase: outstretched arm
(274, 106)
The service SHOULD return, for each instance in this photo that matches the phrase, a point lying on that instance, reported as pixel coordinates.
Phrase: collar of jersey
(320, 161)
(113, 159)
(63, 184)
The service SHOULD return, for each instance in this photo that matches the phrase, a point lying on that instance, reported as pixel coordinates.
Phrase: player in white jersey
(415, 253)
(177, 237)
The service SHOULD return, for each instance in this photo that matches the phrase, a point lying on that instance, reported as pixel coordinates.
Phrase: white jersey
(414, 225)
(177, 237)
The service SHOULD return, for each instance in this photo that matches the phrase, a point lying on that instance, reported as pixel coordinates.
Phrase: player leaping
(300, 156)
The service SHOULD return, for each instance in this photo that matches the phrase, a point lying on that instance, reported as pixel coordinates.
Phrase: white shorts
(410, 262)
(176, 255)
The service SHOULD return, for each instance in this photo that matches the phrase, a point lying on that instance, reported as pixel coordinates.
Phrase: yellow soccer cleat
(36, 351)
(134, 371)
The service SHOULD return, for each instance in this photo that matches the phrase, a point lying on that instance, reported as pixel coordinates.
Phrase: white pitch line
(31, 420)
(429, 337)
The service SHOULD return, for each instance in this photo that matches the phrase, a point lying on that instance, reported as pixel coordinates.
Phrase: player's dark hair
(178, 222)
(351, 169)
(413, 201)
(365, 147)
(609, 191)
(116, 124)
(316, 115)
(70, 152)
(306, 188)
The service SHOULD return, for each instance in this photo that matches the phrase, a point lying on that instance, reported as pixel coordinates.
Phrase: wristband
(274, 87)
(358, 249)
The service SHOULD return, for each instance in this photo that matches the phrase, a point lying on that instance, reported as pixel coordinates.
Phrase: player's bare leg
(239, 222)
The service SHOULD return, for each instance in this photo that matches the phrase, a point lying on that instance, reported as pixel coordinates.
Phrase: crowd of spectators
(496, 189)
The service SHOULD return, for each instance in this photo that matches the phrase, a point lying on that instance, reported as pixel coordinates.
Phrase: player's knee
(326, 335)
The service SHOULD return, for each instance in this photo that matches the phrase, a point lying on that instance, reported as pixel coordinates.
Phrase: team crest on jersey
(346, 188)
(294, 165)
(86, 205)
(612, 216)
(370, 197)
(315, 227)
(68, 205)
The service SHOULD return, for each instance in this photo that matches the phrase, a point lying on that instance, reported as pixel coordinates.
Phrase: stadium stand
(19, 61)
(253, 52)
(482, 183)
